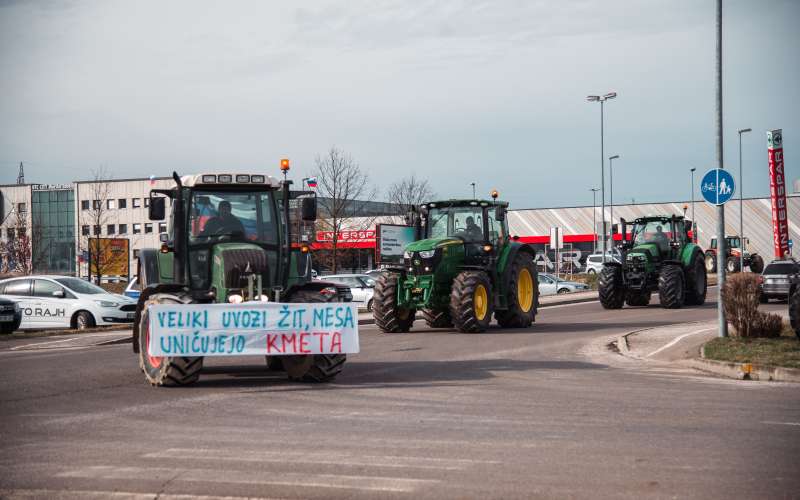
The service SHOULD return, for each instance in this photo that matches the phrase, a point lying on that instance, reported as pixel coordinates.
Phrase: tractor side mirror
(614, 228)
(158, 208)
(500, 213)
(309, 209)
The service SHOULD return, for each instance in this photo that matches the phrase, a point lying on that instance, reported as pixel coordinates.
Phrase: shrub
(740, 299)
(767, 325)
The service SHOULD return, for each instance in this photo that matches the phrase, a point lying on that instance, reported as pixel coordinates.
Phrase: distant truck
(733, 252)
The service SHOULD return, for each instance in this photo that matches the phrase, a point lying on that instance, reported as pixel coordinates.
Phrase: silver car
(550, 285)
(361, 286)
(779, 279)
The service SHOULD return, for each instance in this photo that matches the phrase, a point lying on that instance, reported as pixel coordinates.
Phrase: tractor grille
(240, 263)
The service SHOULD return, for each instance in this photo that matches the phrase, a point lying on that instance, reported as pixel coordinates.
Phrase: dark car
(10, 316)
(779, 279)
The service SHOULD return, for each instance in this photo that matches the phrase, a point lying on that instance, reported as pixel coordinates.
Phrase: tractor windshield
(658, 232)
(232, 216)
(460, 222)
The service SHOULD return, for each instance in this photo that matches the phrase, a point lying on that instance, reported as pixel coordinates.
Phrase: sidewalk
(683, 345)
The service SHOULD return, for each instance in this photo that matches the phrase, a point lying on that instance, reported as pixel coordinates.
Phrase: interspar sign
(252, 328)
(347, 236)
(777, 189)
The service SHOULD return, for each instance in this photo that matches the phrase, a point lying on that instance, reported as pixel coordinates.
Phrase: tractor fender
(147, 292)
(505, 277)
(613, 264)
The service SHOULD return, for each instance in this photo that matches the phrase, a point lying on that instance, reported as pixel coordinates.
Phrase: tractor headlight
(406, 254)
(427, 254)
(235, 298)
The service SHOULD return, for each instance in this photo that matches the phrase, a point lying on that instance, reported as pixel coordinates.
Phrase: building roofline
(766, 197)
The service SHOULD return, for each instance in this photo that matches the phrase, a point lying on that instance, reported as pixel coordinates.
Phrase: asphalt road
(543, 412)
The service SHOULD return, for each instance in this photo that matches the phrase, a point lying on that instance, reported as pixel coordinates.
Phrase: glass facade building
(53, 231)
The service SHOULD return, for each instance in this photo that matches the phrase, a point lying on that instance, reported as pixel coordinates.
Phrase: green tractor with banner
(229, 254)
(462, 268)
(659, 257)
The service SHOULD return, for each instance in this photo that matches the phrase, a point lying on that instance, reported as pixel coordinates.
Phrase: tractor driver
(224, 223)
(660, 239)
(473, 231)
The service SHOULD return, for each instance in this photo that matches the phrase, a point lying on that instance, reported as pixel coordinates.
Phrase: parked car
(133, 290)
(549, 285)
(374, 273)
(779, 279)
(361, 286)
(594, 262)
(10, 316)
(66, 302)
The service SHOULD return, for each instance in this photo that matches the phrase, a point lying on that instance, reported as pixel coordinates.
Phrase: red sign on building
(348, 236)
(777, 190)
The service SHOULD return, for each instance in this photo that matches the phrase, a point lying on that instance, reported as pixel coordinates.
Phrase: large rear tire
(756, 264)
(696, 282)
(794, 313)
(437, 319)
(312, 367)
(471, 302)
(165, 371)
(610, 287)
(671, 287)
(388, 316)
(523, 294)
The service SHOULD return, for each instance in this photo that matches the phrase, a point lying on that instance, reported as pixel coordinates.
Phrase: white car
(594, 262)
(361, 286)
(66, 302)
(549, 285)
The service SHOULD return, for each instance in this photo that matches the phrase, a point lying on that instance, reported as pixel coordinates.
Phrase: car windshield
(232, 215)
(460, 222)
(787, 268)
(77, 285)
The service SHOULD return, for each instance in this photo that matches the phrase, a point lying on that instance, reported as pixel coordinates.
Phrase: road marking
(342, 458)
(43, 345)
(782, 423)
(292, 479)
(21, 494)
(678, 339)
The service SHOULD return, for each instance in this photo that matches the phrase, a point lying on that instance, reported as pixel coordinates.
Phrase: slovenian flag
(312, 182)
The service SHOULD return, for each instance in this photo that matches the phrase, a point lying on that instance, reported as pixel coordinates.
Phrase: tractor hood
(431, 244)
(646, 250)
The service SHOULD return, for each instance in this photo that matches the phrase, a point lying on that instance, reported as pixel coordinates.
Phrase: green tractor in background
(463, 268)
(660, 257)
(229, 242)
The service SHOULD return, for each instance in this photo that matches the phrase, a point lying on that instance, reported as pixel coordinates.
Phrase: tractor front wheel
(671, 287)
(437, 319)
(696, 282)
(711, 263)
(610, 287)
(389, 317)
(165, 371)
(523, 294)
(732, 265)
(471, 302)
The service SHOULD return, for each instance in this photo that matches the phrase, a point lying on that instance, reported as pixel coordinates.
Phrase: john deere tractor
(229, 242)
(660, 256)
(463, 268)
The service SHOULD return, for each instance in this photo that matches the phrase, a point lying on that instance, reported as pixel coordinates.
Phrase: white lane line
(20, 494)
(387, 461)
(39, 345)
(678, 339)
(292, 479)
(797, 424)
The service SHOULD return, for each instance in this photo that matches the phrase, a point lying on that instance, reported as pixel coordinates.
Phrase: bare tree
(409, 192)
(17, 250)
(101, 260)
(343, 190)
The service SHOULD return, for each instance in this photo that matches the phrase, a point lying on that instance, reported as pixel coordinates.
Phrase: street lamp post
(594, 217)
(741, 200)
(602, 99)
(611, 186)
(694, 221)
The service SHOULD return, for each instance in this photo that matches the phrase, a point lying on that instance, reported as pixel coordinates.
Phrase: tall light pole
(741, 200)
(723, 322)
(694, 221)
(473, 190)
(611, 186)
(594, 217)
(602, 99)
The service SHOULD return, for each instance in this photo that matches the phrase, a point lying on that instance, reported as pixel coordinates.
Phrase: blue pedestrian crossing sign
(717, 186)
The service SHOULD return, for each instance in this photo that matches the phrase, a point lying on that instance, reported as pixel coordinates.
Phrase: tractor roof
(465, 203)
(229, 179)
(649, 218)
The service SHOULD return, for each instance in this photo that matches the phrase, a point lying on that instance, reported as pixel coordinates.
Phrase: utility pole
(611, 186)
(594, 217)
(473, 189)
(694, 221)
(741, 202)
(723, 322)
(602, 99)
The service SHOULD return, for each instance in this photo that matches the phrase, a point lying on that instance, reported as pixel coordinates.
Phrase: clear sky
(455, 91)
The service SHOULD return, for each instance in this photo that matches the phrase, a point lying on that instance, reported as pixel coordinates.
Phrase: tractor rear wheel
(732, 265)
(711, 263)
(610, 287)
(165, 371)
(696, 282)
(671, 287)
(388, 316)
(437, 319)
(523, 294)
(312, 367)
(471, 302)
(637, 298)
(756, 263)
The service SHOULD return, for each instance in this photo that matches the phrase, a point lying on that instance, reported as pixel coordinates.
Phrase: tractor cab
(659, 237)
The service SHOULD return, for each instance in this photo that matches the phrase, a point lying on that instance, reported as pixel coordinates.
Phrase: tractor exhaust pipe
(179, 230)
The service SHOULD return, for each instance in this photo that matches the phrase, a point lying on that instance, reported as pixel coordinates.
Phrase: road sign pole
(723, 322)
